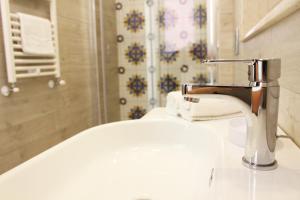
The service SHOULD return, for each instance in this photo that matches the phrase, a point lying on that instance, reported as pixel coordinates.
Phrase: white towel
(174, 99)
(36, 35)
(210, 107)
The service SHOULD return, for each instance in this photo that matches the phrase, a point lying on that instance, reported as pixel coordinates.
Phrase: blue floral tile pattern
(134, 21)
(167, 18)
(137, 85)
(168, 54)
(173, 33)
(200, 16)
(136, 112)
(168, 83)
(136, 53)
(198, 51)
(200, 78)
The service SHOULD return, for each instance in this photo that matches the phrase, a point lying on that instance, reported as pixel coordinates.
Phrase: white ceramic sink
(232, 181)
(146, 159)
(157, 158)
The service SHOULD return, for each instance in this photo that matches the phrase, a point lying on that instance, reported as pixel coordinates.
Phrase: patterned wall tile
(134, 21)
(200, 78)
(135, 53)
(137, 85)
(168, 53)
(131, 19)
(184, 68)
(198, 51)
(168, 83)
(167, 18)
(132, 58)
(136, 112)
(123, 101)
(180, 46)
(200, 16)
(118, 6)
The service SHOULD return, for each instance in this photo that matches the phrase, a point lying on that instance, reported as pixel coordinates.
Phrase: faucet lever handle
(259, 70)
(211, 61)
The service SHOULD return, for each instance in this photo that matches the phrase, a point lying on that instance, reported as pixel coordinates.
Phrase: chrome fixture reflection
(259, 100)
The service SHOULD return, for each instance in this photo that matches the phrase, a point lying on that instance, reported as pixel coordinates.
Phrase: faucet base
(254, 166)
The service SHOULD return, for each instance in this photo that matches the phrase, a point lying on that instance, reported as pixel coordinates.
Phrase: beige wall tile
(295, 118)
(285, 118)
(280, 41)
(37, 118)
(226, 39)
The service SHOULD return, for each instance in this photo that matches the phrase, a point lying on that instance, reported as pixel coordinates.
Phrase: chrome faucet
(259, 101)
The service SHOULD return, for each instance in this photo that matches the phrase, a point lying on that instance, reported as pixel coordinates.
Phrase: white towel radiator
(20, 65)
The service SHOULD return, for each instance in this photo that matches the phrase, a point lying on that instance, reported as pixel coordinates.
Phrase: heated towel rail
(20, 65)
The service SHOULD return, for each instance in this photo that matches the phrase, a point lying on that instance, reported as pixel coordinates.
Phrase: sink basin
(160, 157)
(145, 159)
(232, 181)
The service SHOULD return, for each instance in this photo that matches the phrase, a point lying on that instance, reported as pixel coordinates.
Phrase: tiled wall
(37, 118)
(177, 33)
(132, 52)
(226, 31)
(182, 44)
(280, 41)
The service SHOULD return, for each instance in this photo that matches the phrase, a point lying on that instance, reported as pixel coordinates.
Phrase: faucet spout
(259, 101)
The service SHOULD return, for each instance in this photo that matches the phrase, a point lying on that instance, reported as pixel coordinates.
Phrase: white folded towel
(210, 107)
(174, 99)
(36, 35)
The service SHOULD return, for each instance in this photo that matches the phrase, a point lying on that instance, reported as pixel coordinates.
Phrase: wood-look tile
(38, 117)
